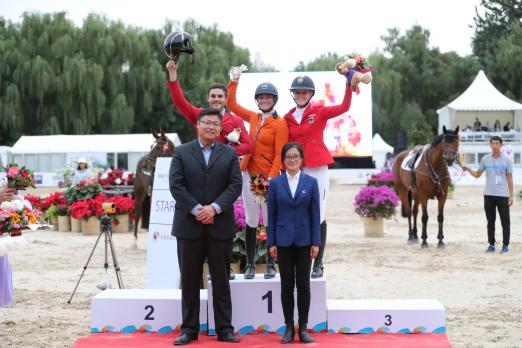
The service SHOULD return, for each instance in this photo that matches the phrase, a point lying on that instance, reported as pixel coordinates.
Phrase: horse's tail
(145, 212)
(410, 201)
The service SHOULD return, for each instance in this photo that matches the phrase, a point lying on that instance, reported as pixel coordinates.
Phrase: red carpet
(375, 340)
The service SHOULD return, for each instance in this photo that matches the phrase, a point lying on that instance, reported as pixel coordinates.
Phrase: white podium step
(256, 305)
(390, 316)
(149, 310)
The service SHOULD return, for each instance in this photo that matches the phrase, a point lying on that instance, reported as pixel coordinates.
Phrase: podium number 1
(268, 296)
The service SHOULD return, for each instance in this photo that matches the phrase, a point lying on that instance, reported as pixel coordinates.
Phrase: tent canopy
(378, 144)
(115, 143)
(481, 95)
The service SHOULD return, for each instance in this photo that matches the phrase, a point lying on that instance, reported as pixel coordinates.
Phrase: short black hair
(209, 112)
(292, 145)
(218, 86)
(495, 137)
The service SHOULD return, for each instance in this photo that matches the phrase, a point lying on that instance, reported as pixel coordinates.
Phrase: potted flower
(64, 221)
(87, 211)
(124, 211)
(374, 203)
(383, 178)
(86, 189)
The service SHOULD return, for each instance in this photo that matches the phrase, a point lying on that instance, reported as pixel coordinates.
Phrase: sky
(282, 33)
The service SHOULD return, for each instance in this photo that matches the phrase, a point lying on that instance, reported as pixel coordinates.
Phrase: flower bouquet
(376, 201)
(16, 215)
(357, 69)
(19, 178)
(259, 187)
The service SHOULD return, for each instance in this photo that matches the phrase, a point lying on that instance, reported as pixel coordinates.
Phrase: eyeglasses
(292, 158)
(210, 123)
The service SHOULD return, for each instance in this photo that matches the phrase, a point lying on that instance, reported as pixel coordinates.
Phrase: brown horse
(162, 147)
(431, 179)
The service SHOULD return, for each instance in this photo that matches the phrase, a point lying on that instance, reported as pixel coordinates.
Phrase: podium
(256, 305)
(147, 310)
(388, 316)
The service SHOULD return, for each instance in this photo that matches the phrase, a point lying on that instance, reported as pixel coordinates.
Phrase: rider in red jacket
(306, 124)
(217, 99)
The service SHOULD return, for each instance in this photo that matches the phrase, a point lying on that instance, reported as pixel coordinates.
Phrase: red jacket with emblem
(228, 123)
(310, 131)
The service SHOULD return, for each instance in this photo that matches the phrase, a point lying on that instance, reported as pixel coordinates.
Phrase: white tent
(380, 149)
(46, 153)
(4, 153)
(483, 101)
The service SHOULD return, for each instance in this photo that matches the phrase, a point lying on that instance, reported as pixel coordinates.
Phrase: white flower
(28, 204)
(125, 175)
(7, 206)
(104, 176)
(18, 205)
(117, 181)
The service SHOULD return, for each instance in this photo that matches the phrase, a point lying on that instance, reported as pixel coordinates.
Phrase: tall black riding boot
(250, 246)
(270, 271)
(317, 270)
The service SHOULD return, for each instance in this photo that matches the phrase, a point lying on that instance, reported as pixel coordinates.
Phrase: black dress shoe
(228, 337)
(250, 271)
(231, 275)
(288, 336)
(185, 338)
(317, 271)
(270, 271)
(304, 336)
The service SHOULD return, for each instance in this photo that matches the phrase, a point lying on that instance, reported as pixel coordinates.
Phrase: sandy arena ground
(482, 293)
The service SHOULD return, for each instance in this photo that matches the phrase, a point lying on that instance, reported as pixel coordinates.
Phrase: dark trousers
(502, 205)
(294, 268)
(191, 255)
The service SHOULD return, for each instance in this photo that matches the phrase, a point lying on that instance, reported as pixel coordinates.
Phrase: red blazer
(310, 131)
(228, 123)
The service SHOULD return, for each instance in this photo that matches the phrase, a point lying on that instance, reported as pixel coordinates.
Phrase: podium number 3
(268, 296)
(149, 314)
(388, 321)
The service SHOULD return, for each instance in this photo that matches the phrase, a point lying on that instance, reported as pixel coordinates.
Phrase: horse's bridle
(436, 178)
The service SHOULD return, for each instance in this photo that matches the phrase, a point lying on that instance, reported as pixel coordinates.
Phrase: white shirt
(298, 114)
(293, 181)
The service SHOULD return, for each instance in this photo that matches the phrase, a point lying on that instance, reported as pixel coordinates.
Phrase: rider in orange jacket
(269, 133)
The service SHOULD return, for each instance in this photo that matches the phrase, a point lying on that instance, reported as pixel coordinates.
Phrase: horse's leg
(406, 208)
(415, 214)
(424, 204)
(440, 218)
(138, 202)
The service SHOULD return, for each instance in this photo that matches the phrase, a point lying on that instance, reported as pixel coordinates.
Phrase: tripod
(106, 230)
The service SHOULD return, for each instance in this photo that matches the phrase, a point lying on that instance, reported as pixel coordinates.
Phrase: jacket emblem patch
(311, 119)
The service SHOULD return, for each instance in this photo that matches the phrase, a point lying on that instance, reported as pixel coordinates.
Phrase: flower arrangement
(259, 187)
(383, 178)
(19, 178)
(361, 63)
(36, 201)
(376, 201)
(86, 189)
(92, 207)
(115, 177)
(15, 217)
(238, 247)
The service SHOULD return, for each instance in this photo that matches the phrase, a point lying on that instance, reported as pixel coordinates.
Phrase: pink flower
(12, 172)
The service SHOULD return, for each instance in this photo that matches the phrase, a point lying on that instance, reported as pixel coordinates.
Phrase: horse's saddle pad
(414, 155)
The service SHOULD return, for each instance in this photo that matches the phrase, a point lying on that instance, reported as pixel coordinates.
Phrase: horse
(162, 147)
(429, 180)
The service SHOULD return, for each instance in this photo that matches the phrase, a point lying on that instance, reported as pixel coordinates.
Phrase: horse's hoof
(424, 245)
(441, 245)
(411, 241)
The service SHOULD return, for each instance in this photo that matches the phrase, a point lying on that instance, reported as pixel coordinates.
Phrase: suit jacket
(293, 220)
(191, 182)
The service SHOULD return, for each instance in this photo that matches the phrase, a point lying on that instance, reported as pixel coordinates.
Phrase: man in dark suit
(205, 180)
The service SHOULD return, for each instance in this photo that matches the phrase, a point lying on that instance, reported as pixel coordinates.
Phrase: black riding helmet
(302, 82)
(266, 88)
(176, 43)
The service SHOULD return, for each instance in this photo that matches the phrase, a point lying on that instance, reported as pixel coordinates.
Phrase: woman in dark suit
(294, 236)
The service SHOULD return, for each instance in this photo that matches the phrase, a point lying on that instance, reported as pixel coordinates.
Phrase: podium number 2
(149, 314)
(268, 296)
(388, 321)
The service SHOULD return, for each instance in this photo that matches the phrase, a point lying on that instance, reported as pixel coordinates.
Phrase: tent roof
(481, 95)
(378, 144)
(87, 143)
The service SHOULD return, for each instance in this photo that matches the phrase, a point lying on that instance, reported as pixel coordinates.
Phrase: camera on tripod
(109, 208)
